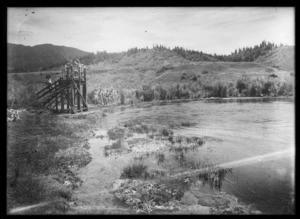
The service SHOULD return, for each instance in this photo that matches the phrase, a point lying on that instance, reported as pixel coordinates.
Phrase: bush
(147, 93)
(266, 89)
(232, 91)
(116, 133)
(116, 145)
(219, 90)
(162, 92)
(135, 171)
(242, 84)
(166, 132)
(187, 124)
(273, 76)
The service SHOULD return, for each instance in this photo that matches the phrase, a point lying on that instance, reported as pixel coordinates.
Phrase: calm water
(239, 131)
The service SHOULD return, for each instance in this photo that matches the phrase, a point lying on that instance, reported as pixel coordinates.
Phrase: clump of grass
(32, 187)
(129, 124)
(187, 124)
(135, 171)
(116, 133)
(165, 132)
(116, 145)
(198, 141)
(146, 196)
(145, 128)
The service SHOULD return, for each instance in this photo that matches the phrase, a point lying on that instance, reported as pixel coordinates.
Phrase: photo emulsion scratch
(136, 110)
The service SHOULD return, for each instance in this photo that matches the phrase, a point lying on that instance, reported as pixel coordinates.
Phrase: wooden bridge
(68, 93)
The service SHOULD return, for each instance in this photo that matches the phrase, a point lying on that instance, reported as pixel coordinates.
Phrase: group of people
(79, 68)
(104, 96)
(76, 63)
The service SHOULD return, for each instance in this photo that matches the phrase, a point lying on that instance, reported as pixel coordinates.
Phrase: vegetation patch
(135, 171)
(163, 69)
(146, 197)
(43, 153)
(214, 176)
(188, 124)
(232, 210)
(116, 133)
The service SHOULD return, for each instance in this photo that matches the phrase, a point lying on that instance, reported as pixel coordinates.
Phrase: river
(254, 137)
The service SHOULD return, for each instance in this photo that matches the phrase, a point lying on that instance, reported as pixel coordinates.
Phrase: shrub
(135, 171)
(147, 93)
(116, 145)
(162, 92)
(266, 89)
(219, 90)
(166, 132)
(241, 84)
(145, 128)
(194, 78)
(273, 76)
(116, 133)
(187, 124)
(171, 93)
(145, 196)
(232, 91)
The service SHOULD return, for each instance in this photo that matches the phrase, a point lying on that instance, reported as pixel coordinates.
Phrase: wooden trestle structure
(68, 93)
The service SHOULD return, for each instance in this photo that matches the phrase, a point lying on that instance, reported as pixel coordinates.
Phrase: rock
(188, 199)
(67, 183)
(116, 185)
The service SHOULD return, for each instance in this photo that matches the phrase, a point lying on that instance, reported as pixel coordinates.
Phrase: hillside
(282, 57)
(40, 57)
(165, 67)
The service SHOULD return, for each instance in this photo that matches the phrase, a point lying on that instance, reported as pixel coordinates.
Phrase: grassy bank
(44, 152)
(243, 87)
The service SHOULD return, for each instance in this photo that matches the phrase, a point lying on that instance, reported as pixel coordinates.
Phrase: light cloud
(212, 30)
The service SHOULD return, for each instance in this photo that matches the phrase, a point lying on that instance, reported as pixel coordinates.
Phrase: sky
(218, 30)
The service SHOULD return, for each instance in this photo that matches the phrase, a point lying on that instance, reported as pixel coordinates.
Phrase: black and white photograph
(150, 111)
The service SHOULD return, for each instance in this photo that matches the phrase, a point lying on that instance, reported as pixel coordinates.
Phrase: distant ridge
(40, 57)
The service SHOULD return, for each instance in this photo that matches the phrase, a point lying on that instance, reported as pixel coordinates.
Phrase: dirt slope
(282, 57)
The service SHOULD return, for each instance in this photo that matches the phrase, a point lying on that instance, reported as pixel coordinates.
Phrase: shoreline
(141, 103)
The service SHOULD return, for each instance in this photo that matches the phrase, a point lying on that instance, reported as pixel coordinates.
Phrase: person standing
(49, 81)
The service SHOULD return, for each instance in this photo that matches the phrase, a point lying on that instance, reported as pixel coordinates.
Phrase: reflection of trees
(214, 177)
(160, 158)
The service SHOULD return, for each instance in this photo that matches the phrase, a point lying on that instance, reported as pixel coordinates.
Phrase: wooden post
(62, 102)
(67, 91)
(84, 90)
(56, 98)
(72, 91)
(79, 90)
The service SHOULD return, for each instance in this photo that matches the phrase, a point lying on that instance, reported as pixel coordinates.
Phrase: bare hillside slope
(281, 57)
(131, 71)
